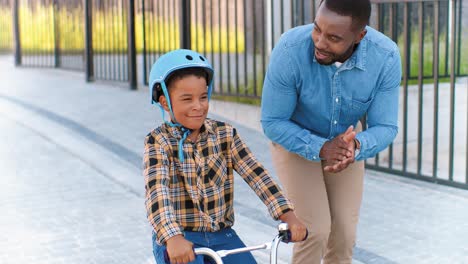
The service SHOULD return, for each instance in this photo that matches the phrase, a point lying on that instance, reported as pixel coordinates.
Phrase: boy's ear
(163, 102)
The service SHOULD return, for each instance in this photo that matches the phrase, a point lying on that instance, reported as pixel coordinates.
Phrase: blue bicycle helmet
(176, 60)
(164, 67)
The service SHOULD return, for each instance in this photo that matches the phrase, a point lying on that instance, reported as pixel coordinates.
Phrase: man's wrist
(357, 144)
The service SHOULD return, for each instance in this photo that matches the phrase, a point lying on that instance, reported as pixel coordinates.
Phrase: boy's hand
(296, 227)
(180, 250)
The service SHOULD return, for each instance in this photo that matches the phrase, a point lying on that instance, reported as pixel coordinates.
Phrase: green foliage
(110, 32)
(6, 30)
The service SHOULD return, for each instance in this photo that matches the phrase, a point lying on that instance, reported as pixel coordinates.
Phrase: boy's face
(189, 99)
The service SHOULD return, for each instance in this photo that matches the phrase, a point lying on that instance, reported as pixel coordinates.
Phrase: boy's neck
(194, 135)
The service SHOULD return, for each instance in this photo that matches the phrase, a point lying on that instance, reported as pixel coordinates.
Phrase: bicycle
(284, 235)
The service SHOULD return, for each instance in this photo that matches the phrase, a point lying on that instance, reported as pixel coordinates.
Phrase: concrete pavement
(71, 189)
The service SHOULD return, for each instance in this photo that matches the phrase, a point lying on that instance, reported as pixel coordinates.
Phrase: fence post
(89, 65)
(56, 34)
(132, 71)
(16, 30)
(185, 32)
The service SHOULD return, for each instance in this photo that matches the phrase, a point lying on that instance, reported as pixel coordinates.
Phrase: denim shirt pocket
(352, 110)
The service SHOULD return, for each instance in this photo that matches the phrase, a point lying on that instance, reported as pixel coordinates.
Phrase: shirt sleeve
(256, 176)
(382, 116)
(159, 208)
(279, 101)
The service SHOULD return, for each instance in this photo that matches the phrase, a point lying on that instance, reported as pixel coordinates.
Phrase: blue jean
(223, 239)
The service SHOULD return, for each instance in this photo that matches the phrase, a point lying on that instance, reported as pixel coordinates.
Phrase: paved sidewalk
(71, 189)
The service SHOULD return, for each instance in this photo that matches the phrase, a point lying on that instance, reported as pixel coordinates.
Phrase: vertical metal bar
(313, 10)
(254, 52)
(212, 37)
(459, 36)
(196, 23)
(228, 32)
(89, 70)
(420, 84)
(96, 5)
(123, 34)
(292, 13)
(378, 17)
(452, 89)
(185, 24)
(205, 39)
(282, 15)
(131, 48)
(16, 32)
(466, 145)
(391, 17)
(246, 81)
(301, 11)
(106, 53)
(236, 22)
(435, 70)
(447, 38)
(263, 17)
(272, 23)
(174, 23)
(406, 27)
(56, 21)
(112, 54)
(145, 66)
(220, 52)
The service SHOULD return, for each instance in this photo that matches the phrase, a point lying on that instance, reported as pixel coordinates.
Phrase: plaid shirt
(197, 194)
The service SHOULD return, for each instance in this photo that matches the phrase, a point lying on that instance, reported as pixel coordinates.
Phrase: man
(322, 78)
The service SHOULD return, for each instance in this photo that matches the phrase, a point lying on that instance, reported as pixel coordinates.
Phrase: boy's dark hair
(358, 10)
(177, 75)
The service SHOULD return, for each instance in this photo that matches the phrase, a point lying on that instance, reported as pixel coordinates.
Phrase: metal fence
(119, 40)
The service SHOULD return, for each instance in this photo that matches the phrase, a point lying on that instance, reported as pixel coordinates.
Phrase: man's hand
(180, 250)
(296, 227)
(338, 153)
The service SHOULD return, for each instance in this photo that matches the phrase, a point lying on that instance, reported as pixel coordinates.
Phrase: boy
(189, 163)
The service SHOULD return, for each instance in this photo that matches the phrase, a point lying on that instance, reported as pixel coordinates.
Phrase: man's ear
(362, 34)
(163, 102)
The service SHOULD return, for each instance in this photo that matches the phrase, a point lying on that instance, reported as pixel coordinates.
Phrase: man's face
(334, 36)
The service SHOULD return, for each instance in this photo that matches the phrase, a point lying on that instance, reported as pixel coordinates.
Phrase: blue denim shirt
(304, 103)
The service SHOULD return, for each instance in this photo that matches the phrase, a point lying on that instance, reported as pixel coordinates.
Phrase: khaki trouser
(327, 203)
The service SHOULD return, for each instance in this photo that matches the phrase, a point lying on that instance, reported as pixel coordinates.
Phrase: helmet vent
(189, 57)
(201, 58)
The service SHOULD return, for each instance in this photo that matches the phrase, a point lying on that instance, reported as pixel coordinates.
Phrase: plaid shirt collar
(176, 131)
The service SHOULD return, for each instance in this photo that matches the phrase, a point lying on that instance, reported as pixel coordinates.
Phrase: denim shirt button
(335, 122)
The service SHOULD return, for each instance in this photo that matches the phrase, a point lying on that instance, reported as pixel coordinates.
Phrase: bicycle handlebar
(284, 235)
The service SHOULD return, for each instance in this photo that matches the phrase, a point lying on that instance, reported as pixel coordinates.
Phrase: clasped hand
(338, 153)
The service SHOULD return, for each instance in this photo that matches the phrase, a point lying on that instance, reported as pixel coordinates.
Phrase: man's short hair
(358, 10)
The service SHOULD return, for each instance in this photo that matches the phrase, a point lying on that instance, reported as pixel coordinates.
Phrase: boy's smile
(189, 101)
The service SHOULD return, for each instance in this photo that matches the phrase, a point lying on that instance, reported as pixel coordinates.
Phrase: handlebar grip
(288, 236)
(306, 236)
